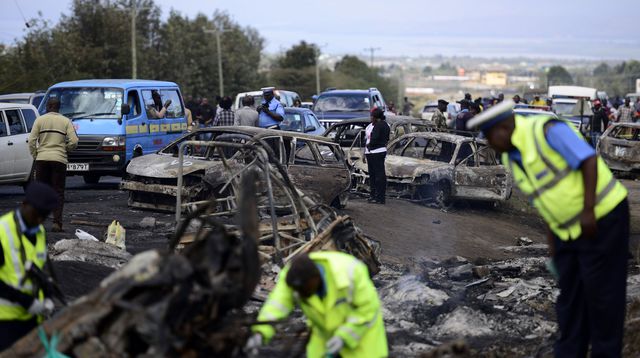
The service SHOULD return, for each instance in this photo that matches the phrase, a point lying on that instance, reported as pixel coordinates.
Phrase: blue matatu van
(114, 122)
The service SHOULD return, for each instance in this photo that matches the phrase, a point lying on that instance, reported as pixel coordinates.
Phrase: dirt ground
(409, 233)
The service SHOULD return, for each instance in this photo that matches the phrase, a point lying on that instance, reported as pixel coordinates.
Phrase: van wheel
(91, 178)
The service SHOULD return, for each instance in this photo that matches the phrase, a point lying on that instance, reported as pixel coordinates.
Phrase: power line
(26, 23)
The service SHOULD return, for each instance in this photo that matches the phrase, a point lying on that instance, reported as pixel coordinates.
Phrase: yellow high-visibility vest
(557, 191)
(13, 270)
(351, 309)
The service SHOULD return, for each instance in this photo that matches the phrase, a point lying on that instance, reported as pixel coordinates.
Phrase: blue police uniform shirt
(264, 120)
(573, 149)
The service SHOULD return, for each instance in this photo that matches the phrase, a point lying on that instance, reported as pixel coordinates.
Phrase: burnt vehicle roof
(367, 120)
(451, 137)
(256, 132)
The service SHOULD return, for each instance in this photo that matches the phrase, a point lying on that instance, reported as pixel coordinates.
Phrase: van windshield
(564, 109)
(87, 102)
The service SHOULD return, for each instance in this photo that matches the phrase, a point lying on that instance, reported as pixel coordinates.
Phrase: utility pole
(217, 33)
(134, 56)
(318, 69)
(372, 50)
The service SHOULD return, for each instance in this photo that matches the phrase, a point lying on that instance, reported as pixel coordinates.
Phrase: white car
(286, 98)
(16, 121)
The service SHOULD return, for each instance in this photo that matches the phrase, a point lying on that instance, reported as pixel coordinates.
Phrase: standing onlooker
(189, 117)
(500, 97)
(191, 104)
(626, 112)
(599, 122)
(377, 134)
(516, 99)
(391, 107)
(439, 119)
(51, 138)
(224, 116)
(271, 110)
(463, 116)
(206, 113)
(247, 115)
(407, 107)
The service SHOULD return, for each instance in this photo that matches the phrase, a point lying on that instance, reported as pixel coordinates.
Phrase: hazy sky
(556, 28)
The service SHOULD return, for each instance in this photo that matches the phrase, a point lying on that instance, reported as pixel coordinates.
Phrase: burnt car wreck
(315, 165)
(619, 146)
(439, 167)
(187, 300)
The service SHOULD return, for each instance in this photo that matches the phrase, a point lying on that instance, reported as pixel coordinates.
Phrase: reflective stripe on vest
(13, 272)
(556, 189)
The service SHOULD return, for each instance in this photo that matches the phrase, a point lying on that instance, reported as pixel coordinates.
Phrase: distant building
(497, 79)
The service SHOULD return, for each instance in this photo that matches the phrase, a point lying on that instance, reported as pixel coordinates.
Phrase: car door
(478, 176)
(19, 135)
(138, 125)
(6, 159)
(312, 121)
(320, 180)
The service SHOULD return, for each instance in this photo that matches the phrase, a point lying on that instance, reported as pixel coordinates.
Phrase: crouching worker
(339, 301)
(23, 248)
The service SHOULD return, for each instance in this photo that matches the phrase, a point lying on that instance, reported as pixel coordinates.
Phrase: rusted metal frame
(274, 220)
(181, 168)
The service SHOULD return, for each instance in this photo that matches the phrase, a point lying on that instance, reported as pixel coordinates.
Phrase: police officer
(23, 244)
(271, 110)
(339, 300)
(587, 214)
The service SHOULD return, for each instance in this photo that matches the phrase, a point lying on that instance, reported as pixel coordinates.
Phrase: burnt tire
(442, 194)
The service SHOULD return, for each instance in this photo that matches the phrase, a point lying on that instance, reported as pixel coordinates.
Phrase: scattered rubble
(96, 252)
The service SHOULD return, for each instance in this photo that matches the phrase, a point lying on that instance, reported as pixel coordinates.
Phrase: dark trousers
(12, 331)
(55, 175)
(377, 175)
(593, 281)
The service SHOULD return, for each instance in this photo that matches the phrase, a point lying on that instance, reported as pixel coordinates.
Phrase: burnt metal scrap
(619, 146)
(165, 303)
(291, 223)
(439, 167)
(314, 164)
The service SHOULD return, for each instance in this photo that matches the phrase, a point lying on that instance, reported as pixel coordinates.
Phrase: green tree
(188, 55)
(351, 72)
(558, 75)
(300, 56)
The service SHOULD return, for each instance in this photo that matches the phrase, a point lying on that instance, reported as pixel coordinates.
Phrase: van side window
(15, 123)
(3, 125)
(175, 110)
(134, 103)
(29, 117)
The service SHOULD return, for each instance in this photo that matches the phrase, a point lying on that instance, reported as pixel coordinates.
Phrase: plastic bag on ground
(83, 235)
(116, 235)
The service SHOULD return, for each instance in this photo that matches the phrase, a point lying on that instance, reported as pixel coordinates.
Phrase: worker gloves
(253, 343)
(334, 345)
(41, 308)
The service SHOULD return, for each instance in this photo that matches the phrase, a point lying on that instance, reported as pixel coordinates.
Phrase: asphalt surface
(406, 230)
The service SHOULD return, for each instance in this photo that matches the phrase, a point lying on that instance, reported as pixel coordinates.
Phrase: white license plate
(78, 167)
